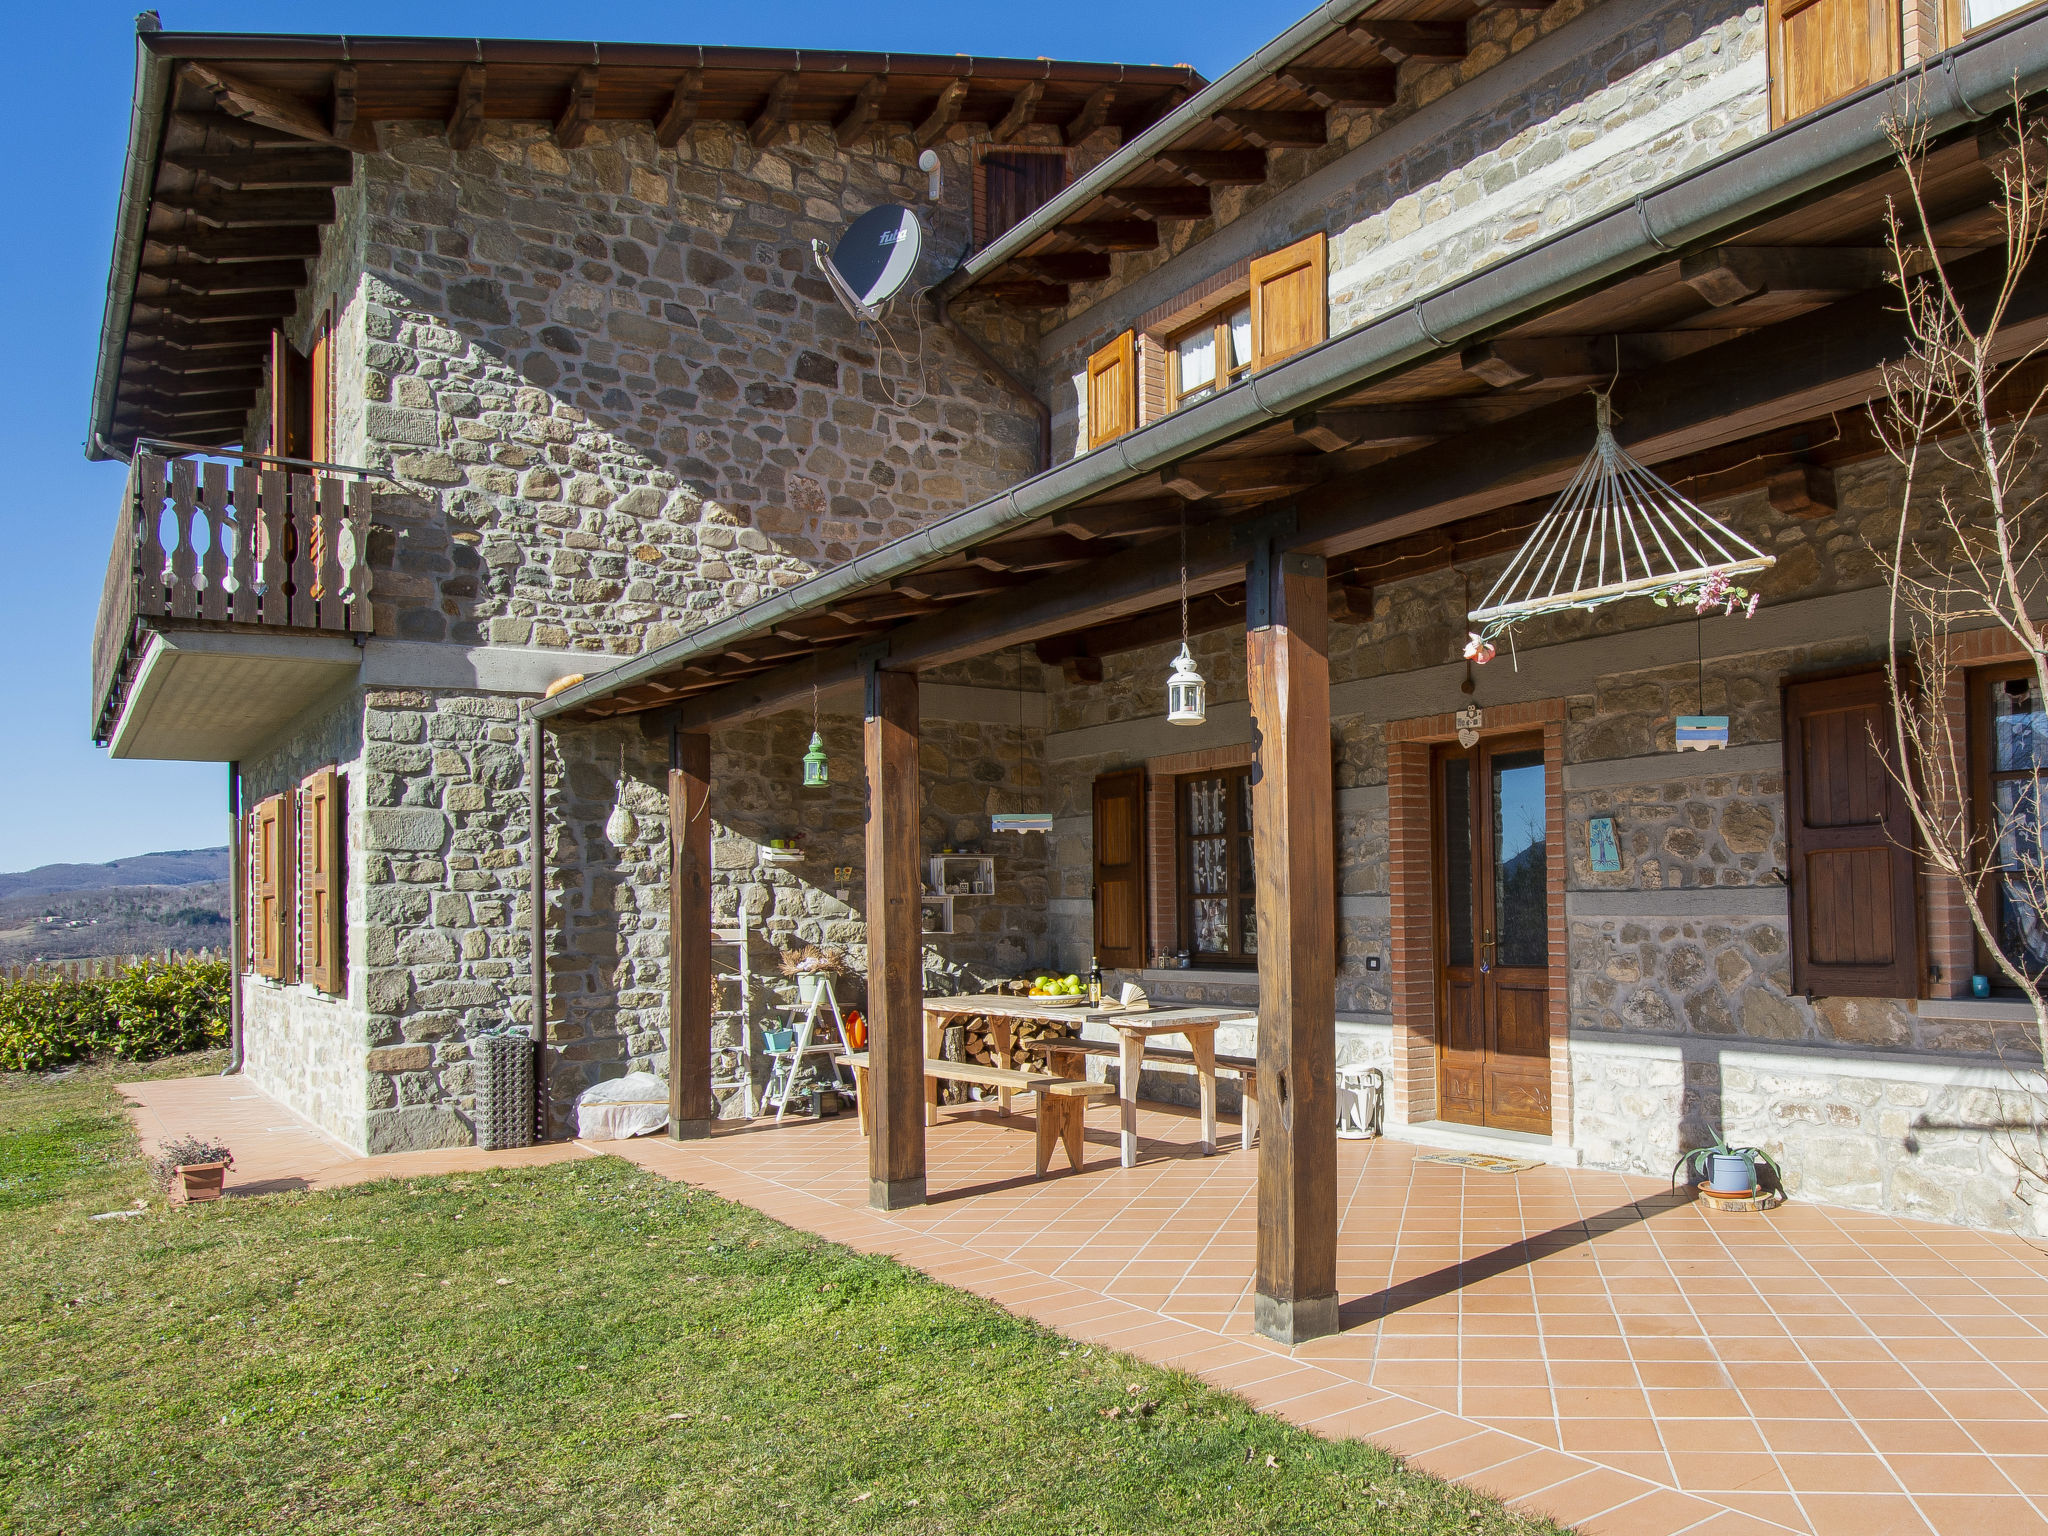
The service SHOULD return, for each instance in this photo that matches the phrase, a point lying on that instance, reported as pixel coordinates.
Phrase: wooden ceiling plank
(858, 118)
(1333, 431)
(1240, 477)
(579, 111)
(266, 169)
(1022, 106)
(1069, 266)
(944, 114)
(1162, 202)
(1023, 555)
(1121, 520)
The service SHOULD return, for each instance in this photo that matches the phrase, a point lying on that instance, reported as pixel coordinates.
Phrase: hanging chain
(1183, 575)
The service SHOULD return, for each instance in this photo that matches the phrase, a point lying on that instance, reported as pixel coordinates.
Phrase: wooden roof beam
(260, 104)
(467, 120)
(1240, 477)
(774, 113)
(1068, 266)
(1368, 88)
(944, 114)
(1729, 274)
(1217, 167)
(266, 304)
(232, 245)
(1333, 431)
(1510, 362)
(681, 111)
(858, 118)
(1278, 130)
(1022, 106)
(1024, 293)
(579, 111)
(936, 586)
(1421, 41)
(1162, 202)
(1093, 114)
(227, 276)
(1022, 555)
(267, 169)
(233, 210)
(1113, 234)
(1121, 520)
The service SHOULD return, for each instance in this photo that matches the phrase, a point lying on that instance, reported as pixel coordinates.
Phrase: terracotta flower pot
(199, 1181)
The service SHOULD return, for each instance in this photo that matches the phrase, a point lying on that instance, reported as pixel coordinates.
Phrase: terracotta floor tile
(1753, 1363)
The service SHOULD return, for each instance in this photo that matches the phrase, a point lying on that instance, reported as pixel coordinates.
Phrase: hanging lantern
(1186, 693)
(815, 775)
(1187, 696)
(622, 826)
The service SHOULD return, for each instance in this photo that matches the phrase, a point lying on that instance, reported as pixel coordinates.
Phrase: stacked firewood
(978, 1040)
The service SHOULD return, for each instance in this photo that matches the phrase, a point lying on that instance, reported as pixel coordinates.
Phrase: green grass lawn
(575, 1348)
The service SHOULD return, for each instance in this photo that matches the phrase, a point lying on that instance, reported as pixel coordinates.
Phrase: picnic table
(1196, 1022)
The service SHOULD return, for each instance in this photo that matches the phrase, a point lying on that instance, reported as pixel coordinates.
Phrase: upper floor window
(1212, 356)
(1011, 184)
(1968, 15)
(1219, 918)
(2009, 742)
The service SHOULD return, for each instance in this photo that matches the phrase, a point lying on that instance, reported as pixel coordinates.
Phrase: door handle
(1487, 952)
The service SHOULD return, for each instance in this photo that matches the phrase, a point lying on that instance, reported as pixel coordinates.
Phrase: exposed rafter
(1093, 114)
(944, 114)
(774, 113)
(1278, 130)
(1217, 167)
(1342, 87)
(1422, 41)
(681, 111)
(1022, 106)
(579, 111)
(467, 120)
(858, 118)
(260, 104)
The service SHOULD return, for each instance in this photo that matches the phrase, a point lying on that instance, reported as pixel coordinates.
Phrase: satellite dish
(873, 259)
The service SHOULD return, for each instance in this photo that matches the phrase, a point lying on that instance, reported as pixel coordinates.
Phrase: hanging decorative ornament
(1617, 531)
(816, 773)
(1471, 721)
(1187, 696)
(622, 827)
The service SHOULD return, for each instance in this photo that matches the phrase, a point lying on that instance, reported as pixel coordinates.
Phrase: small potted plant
(810, 966)
(190, 1169)
(1724, 1170)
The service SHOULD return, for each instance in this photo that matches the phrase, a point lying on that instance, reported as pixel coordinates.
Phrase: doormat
(1479, 1162)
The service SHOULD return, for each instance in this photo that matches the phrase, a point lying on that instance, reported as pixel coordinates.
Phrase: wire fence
(103, 965)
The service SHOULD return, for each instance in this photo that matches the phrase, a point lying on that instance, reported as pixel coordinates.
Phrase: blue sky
(70, 70)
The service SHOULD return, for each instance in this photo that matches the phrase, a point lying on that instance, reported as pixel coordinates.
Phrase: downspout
(987, 359)
(236, 921)
(537, 916)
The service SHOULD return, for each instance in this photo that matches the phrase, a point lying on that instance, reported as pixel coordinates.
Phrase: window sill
(1981, 1010)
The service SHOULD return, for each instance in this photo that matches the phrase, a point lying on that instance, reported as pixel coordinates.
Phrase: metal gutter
(131, 223)
(1297, 39)
(1964, 85)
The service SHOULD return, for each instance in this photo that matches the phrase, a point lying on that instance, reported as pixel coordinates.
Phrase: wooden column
(691, 1110)
(895, 944)
(1288, 666)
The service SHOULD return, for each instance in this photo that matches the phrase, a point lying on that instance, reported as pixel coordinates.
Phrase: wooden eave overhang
(239, 141)
(1343, 56)
(1741, 313)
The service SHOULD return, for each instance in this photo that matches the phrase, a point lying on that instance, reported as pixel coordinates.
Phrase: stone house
(583, 492)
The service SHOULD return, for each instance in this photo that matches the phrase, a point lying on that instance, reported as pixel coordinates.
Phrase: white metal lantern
(1186, 694)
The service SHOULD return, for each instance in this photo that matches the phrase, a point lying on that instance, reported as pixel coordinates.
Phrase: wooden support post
(691, 1109)
(895, 944)
(1288, 669)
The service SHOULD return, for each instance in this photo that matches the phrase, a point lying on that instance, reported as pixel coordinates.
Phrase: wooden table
(1133, 1030)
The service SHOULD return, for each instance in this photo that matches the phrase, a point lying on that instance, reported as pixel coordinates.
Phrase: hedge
(145, 1012)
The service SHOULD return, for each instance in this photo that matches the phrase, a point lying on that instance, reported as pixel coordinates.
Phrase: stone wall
(624, 401)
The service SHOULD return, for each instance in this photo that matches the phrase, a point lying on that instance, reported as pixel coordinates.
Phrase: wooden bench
(1246, 1067)
(1062, 1101)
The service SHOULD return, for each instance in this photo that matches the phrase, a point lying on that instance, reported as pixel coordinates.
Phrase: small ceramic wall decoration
(1603, 845)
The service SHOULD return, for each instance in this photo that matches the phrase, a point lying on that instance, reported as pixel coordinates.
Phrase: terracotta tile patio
(1580, 1343)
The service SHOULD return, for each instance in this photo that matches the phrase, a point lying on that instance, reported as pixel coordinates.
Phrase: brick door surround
(1411, 866)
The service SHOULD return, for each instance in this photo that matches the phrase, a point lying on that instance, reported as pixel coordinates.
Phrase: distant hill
(186, 866)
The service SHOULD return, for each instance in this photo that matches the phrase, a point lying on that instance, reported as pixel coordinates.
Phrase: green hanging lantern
(815, 775)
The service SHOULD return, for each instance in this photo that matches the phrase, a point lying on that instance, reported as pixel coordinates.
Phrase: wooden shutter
(1113, 391)
(272, 886)
(1821, 50)
(322, 893)
(1855, 915)
(291, 399)
(1290, 307)
(1120, 869)
(320, 392)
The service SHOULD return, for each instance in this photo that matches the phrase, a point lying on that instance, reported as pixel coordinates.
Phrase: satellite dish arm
(838, 284)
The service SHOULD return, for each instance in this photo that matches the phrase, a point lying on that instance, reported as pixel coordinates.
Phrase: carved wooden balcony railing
(232, 544)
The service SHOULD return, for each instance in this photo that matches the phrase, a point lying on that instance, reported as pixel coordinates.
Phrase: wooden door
(1493, 936)
(1120, 869)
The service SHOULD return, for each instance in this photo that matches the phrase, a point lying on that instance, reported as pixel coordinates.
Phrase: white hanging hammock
(1616, 531)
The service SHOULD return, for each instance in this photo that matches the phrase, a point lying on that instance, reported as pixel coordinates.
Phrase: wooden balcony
(261, 570)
